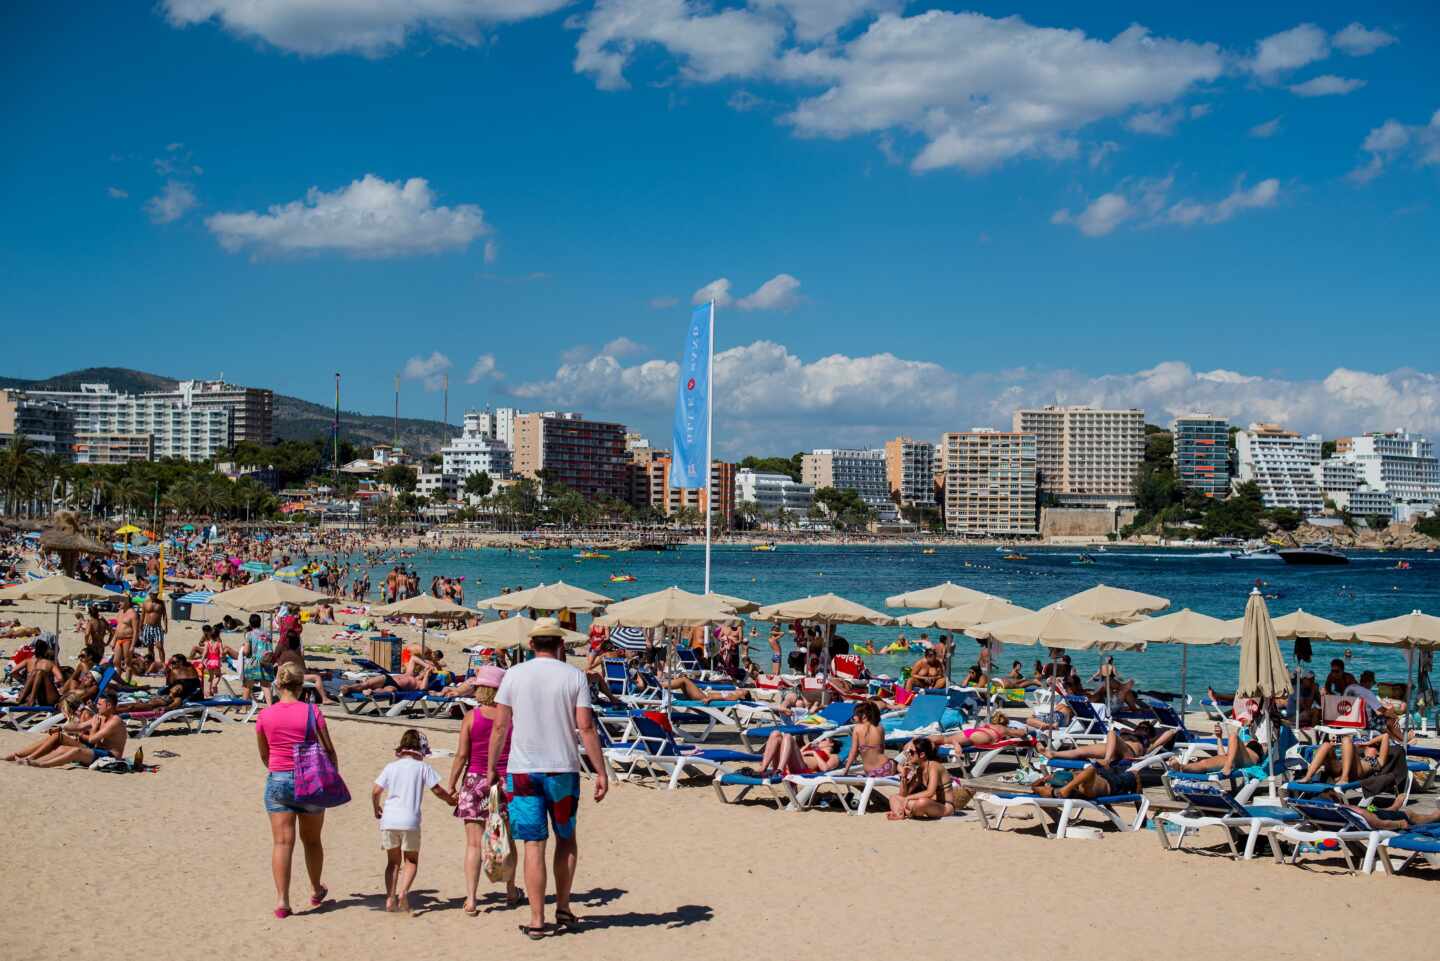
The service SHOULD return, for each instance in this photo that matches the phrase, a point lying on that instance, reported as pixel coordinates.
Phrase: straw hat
(547, 627)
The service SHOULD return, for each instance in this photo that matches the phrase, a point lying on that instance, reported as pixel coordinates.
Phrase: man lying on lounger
(103, 735)
(182, 683)
(1119, 745)
(1093, 781)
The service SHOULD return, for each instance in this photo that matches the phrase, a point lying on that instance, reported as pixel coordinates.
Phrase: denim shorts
(280, 795)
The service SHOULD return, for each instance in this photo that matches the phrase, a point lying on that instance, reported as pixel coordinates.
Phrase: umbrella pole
(1409, 680)
(56, 652)
(1184, 672)
(825, 667)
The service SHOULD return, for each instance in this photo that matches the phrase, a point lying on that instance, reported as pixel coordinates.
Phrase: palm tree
(130, 493)
(20, 477)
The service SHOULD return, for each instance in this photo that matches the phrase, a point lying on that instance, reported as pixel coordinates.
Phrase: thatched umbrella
(65, 538)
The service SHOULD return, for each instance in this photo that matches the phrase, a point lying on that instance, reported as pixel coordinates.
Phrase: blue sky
(923, 217)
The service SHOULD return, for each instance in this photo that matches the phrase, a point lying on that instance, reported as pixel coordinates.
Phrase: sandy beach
(661, 873)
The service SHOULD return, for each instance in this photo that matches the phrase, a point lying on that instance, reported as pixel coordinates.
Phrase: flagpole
(709, 424)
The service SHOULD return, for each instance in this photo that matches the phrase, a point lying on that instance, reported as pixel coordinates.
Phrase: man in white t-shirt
(1364, 691)
(546, 701)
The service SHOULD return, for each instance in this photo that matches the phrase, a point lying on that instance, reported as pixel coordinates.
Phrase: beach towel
(497, 850)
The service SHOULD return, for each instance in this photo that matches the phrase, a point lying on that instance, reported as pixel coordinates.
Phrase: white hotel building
(1282, 463)
(1397, 463)
(478, 449)
(773, 493)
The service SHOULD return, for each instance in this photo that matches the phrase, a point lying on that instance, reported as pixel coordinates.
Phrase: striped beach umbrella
(628, 638)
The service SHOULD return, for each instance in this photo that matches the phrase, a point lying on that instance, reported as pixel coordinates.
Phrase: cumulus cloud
(1160, 123)
(1393, 140)
(368, 27)
(1146, 201)
(428, 370)
(1266, 130)
(717, 290)
(369, 218)
(780, 292)
(1326, 85)
(117, 193)
(709, 44)
(174, 201)
(622, 347)
(1101, 152)
(492, 251)
(1357, 41)
(816, 20)
(483, 367)
(776, 400)
(1289, 50)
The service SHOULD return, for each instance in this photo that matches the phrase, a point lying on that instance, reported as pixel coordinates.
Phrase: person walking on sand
(546, 701)
(154, 622)
(278, 729)
(403, 784)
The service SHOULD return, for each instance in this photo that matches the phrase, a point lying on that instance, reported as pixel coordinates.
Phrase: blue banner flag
(688, 467)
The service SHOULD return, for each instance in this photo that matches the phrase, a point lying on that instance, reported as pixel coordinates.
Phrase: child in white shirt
(403, 784)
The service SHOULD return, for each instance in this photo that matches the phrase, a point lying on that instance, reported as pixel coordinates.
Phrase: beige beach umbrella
(1415, 629)
(941, 595)
(507, 633)
(822, 609)
(268, 596)
(965, 616)
(56, 589)
(548, 597)
(1056, 627)
(423, 605)
(1112, 605)
(1186, 628)
(670, 607)
(1262, 668)
(1301, 623)
(737, 604)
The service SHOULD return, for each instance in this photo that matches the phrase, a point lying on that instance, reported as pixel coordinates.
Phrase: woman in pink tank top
(472, 757)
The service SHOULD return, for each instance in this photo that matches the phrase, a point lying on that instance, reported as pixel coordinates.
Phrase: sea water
(1370, 587)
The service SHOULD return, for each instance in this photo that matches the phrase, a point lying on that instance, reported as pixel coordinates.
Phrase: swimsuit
(151, 634)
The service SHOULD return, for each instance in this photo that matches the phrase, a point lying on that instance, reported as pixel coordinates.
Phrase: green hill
(295, 419)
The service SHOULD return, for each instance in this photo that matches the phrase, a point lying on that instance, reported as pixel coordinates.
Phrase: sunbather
(43, 679)
(924, 784)
(182, 684)
(927, 672)
(1119, 745)
(996, 729)
(784, 755)
(694, 692)
(103, 735)
(1093, 781)
(1242, 749)
(867, 743)
(1346, 760)
(1391, 819)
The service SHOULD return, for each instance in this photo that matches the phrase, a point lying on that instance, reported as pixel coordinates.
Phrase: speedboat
(1265, 553)
(1314, 555)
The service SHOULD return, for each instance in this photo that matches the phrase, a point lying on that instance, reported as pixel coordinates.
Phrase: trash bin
(179, 610)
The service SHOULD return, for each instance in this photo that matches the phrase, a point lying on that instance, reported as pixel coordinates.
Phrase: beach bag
(497, 851)
(317, 780)
(1244, 709)
(1341, 711)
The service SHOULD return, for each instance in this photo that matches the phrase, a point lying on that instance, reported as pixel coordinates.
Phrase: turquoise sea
(1368, 588)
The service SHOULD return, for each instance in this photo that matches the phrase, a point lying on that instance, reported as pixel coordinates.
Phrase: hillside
(295, 419)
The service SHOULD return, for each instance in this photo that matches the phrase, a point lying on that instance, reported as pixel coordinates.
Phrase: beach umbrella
(737, 604)
(558, 596)
(507, 633)
(828, 610)
(965, 616)
(941, 595)
(629, 638)
(1411, 631)
(1112, 605)
(670, 607)
(1262, 668)
(1301, 623)
(423, 606)
(188, 528)
(268, 596)
(1186, 628)
(1056, 627)
(56, 589)
(256, 567)
(126, 530)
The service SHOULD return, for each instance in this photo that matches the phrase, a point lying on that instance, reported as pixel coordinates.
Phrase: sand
(175, 864)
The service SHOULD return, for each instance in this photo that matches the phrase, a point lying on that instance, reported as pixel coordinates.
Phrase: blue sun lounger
(1325, 821)
(1418, 842)
(652, 750)
(1207, 805)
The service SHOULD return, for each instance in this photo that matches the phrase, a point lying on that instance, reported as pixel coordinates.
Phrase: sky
(912, 217)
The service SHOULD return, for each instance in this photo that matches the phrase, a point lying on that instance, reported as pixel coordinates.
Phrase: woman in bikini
(784, 755)
(924, 785)
(991, 732)
(1350, 760)
(1242, 750)
(867, 743)
(43, 679)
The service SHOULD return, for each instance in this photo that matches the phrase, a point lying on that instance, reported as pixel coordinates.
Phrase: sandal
(318, 898)
(471, 910)
(533, 933)
(565, 920)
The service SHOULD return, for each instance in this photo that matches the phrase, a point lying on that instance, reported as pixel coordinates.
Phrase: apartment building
(1084, 456)
(653, 489)
(113, 448)
(1202, 453)
(585, 455)
(990, 482)
(862, 471)
(477, 450)
(910, 471)
(47, 426)
(1282, 463)
(1398, 463)
(773, 493)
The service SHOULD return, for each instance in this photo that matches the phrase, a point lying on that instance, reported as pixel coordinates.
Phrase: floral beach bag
(317, 780)
(497, 850)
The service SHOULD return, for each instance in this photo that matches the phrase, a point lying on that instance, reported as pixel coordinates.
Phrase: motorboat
(1316, 555)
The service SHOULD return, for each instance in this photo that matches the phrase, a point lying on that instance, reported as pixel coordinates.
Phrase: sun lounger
(1210, 806)
(853, 790)
(1422, 842)
(38, 720)
(1066, 810)
(193, 714)
(832, 715)
(1327, 822)
(743, 784)
(652, 750)
(923, 716)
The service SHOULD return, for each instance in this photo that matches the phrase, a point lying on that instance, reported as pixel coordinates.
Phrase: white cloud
(369, 27)
(1326, 85)
(717, 290)
(117, 193)
(1101, 152)
(663, 303)
(1101, 217)
(429, 370)
(1160, 123)
(171, 203)
(778, 401)
(1146, 201)
(622, 347)
(492, 251)
(368, 218)
(982, 91)
(483, 367)
(1263, 194)
(710, 45)
(1290, 49)
(1359, 42)
(1393, 140)
(816, 20)
(780, 292)
(1266, 130)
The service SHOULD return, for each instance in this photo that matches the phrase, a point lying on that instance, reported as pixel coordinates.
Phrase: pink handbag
(317, 780)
